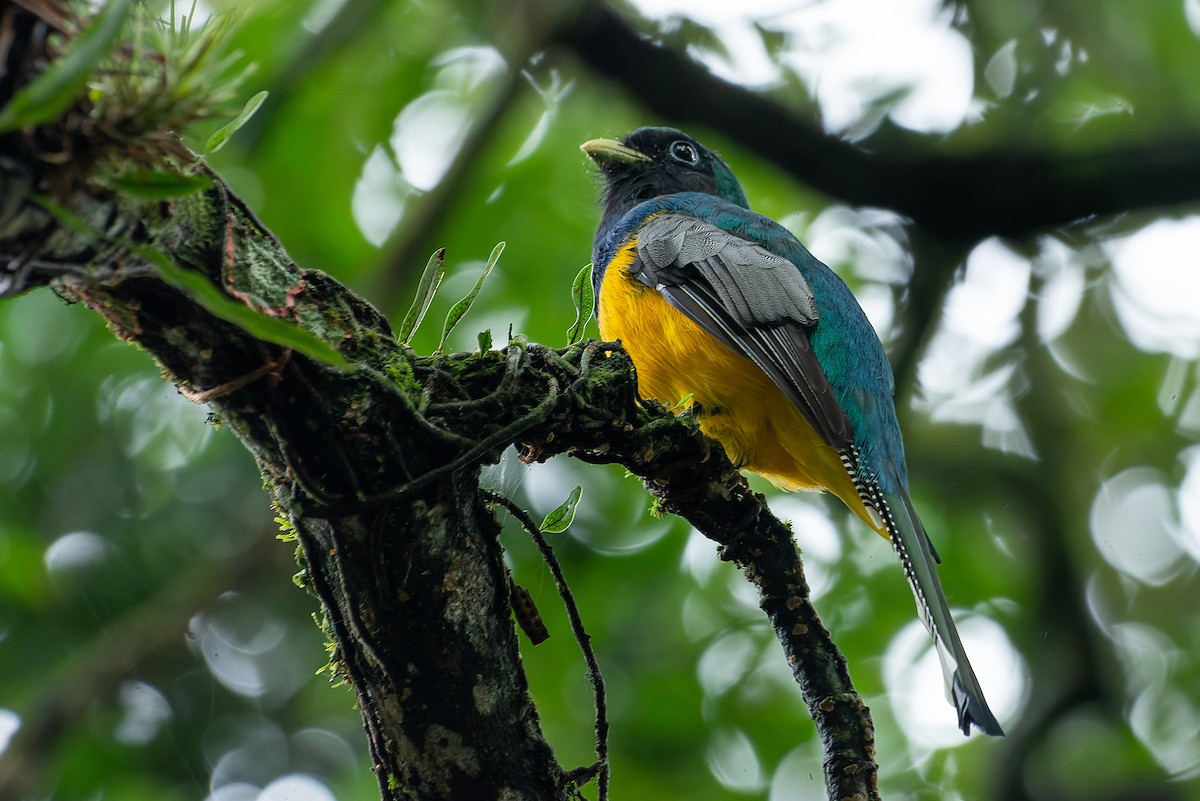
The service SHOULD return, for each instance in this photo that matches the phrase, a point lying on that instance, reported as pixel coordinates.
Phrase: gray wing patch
(749, 299)
(754, 285)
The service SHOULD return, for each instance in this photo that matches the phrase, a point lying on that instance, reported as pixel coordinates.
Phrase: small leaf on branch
(683, 403)
(560, 519)
(159, 184)
(460, 309)
(583, 295)
(218, 139)
(427, 287)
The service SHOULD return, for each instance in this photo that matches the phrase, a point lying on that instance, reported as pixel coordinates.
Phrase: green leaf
(485, 341)
(218, 139)
(460, 309)
(431, 279)
(72, 221)
(253, 322)
(583, 295)
(52, 92)
(683, 403)
(159, 184)
(559, 520)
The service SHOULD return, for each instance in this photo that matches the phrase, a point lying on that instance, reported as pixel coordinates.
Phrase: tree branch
(694, 479)
(958, 195)
(377, 470)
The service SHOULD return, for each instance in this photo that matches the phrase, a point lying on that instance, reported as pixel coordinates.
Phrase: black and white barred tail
(892, 513)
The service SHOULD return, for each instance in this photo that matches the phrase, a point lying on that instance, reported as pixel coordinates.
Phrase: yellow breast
(680, 365)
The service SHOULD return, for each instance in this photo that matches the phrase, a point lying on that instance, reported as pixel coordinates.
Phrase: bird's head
(659, 161)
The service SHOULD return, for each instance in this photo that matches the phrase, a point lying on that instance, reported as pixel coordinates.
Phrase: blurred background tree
(1048, 388)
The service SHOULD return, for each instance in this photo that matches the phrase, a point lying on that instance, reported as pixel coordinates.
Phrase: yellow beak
(610, 151)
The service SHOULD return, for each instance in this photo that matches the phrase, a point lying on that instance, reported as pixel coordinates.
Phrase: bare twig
(595, 677)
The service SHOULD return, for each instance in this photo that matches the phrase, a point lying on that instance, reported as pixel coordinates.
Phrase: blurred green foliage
(141, 589)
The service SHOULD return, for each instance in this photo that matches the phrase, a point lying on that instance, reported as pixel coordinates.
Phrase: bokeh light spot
(38, 328)
(145, 711)
(725, 662)
(247, 649)
(1157, 285)
(157, 424)
(9, 723)
(734, 762)
(1167, 722)
(981, 317)
(428, 133)
(1132, 525)
(799, 777)
(234, 792)
(76, 551)
(856, 54)
(1188, 534)
(260, 755)
(379, 195)
(1063, 286)
(296, 787)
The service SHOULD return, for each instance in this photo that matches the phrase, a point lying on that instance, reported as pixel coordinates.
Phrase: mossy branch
(376, 468)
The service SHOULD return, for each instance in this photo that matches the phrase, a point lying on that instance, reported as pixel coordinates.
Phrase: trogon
(725, 310)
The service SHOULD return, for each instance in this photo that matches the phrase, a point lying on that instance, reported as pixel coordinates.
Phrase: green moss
(287, 531)
(398, 367)
(657, 510)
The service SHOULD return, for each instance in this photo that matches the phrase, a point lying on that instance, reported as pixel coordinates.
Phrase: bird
(726, 315)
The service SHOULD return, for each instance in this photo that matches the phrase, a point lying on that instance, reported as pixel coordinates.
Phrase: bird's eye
(684, 152)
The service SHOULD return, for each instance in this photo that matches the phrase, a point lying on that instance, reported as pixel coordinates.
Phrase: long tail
(892, 513)
(919, 560)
